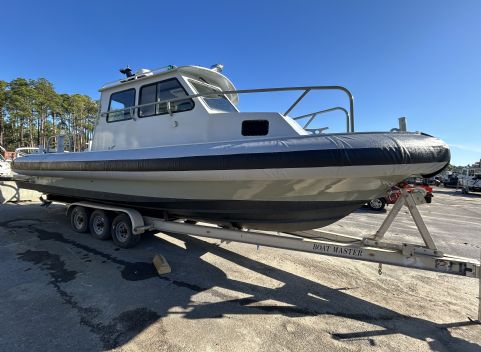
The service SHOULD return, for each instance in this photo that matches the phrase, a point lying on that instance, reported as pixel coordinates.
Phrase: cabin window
(216, 102)
(163, 91)
(118, 101)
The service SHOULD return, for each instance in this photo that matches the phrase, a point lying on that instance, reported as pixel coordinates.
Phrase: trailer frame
(369, 248)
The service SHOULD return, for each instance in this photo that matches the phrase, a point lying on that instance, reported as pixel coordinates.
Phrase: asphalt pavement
(60, 290)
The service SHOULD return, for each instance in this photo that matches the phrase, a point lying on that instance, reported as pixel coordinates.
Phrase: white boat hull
(226, 187)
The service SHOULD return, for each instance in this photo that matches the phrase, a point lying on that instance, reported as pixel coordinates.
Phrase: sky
(418, 59)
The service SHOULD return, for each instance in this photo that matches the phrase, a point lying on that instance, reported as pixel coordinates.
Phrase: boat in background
(172, 143)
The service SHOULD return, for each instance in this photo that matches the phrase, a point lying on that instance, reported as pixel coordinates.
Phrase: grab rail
(314, 114)
(306, 90)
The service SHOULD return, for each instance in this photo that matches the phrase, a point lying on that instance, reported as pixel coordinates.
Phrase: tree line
(31, 112)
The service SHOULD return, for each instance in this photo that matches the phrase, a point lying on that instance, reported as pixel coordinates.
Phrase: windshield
(215, 102)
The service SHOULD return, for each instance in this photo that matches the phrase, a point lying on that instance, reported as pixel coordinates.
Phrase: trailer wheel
(99, 225)
(377, 204)
(121, 231)
(79, 218)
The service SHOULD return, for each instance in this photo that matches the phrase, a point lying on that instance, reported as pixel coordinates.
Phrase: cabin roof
(205, 74)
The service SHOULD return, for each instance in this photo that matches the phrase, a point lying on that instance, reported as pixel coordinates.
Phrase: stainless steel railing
(313, 115)
(305, 91)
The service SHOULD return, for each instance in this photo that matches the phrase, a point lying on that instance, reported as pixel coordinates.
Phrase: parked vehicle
(433, 181)
(470, 180)
(394, 193)
(450, 181)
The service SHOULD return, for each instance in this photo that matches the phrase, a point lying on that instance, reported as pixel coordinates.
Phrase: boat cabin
(163, 107)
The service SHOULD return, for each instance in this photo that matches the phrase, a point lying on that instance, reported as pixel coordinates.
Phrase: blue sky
(419, 59)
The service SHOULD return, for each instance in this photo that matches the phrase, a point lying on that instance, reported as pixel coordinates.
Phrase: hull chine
(260, 215)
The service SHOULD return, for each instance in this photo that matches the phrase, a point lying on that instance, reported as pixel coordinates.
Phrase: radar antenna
(126, 71)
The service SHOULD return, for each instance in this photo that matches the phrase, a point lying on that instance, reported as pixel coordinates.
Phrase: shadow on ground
(55, 251)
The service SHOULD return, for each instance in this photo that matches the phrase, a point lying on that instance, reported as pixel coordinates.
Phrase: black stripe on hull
(261, 215)
(278, 160)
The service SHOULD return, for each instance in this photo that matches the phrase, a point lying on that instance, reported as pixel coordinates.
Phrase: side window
(121, 100)
(161, 91)
(147, 95)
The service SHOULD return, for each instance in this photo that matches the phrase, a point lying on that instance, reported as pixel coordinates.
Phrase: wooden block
(161, 265)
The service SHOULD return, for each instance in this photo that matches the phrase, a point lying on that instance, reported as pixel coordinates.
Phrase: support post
(418, 220)
(407, 199)
(297, 101)
(389, 218)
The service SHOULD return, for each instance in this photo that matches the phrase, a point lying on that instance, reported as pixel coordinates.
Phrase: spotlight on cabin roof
(217, 67)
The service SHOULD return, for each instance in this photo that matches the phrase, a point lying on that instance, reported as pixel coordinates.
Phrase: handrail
(306, 90)
(314, 114)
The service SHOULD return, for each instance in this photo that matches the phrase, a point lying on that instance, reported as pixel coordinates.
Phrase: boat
(172, 143)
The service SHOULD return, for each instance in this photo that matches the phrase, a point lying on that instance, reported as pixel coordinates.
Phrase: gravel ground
(60, 290)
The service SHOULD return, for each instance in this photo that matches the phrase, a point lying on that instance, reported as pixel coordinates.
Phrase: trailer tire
(99, 224)
(121, 231)
(79, 218)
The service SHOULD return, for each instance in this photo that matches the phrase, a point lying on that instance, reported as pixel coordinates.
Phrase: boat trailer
(371, 248)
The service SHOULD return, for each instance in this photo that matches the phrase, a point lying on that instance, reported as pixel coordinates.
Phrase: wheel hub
(99, 224)
(78, 220)
(376, 203)
(121, 232)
